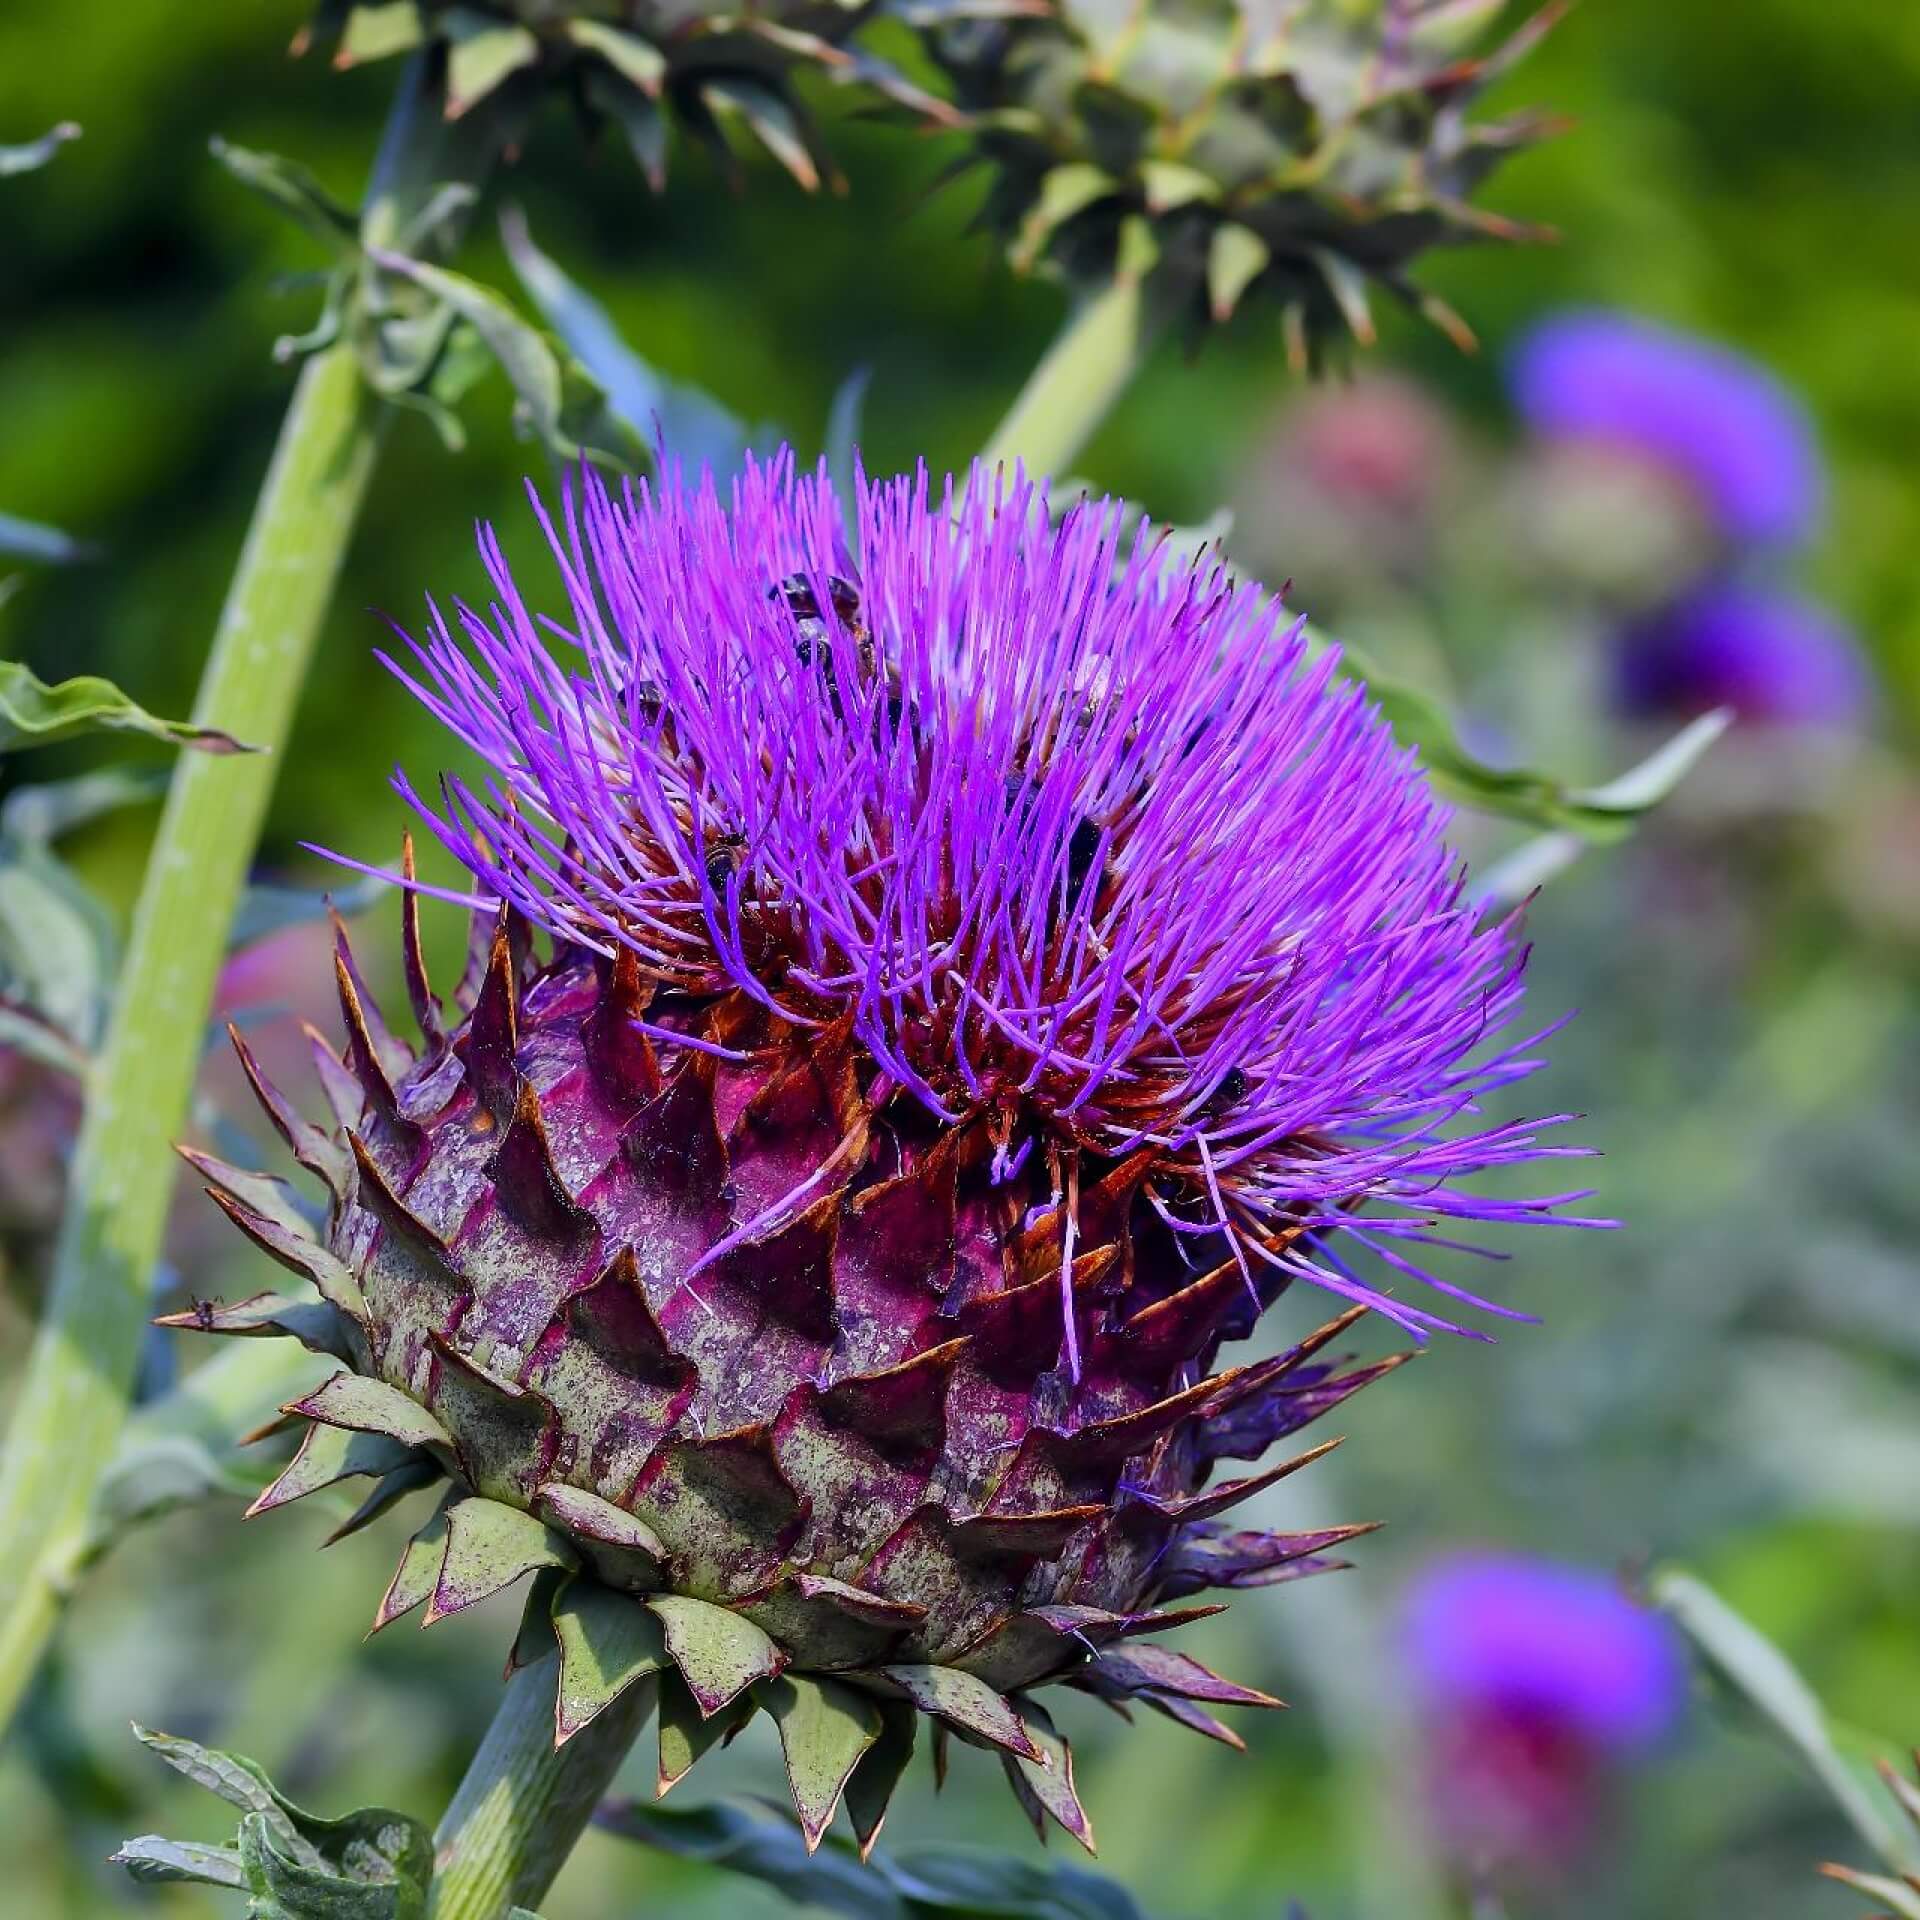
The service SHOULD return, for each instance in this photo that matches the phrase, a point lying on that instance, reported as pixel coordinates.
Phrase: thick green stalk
(524, 1804)
(1083, 373)
(73, 1403)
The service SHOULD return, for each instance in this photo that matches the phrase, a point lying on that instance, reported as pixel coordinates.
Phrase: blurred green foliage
(1734, 1380)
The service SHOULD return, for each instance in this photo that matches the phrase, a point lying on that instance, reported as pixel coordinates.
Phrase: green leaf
(763, 1847)
(1064, 192)
(482, 52)
(36, 153)
(58, 951)
(34, 714)
(825, 1726)
(1601, 815)
(693, 426)
(522, 351)
(1762, 1675)
(929, 1883)
(29, 540)
(155, 1861)
(374, 1864)
(157, 1474)
(289, 186)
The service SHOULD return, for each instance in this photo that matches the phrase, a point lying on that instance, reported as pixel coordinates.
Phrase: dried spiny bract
(1298, 149)
(719, 70)
(936, 980)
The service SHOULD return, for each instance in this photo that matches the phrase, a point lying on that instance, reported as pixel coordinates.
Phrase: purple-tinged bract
(1722, 425)
(936, 981)
(1770, 655)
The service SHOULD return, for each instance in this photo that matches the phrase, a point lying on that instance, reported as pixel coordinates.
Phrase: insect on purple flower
(937, 978)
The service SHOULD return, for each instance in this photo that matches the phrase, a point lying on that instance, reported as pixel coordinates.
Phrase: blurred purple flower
(1536, 1680)
(1724, 426)
(1771, 656)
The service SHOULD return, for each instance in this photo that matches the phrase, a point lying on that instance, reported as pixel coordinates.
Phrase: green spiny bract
(1301, 149)
(716, 69)
(838, 1475)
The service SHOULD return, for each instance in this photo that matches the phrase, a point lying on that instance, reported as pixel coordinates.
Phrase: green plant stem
(524, 1805)
(1088, 367)
(80, 1374)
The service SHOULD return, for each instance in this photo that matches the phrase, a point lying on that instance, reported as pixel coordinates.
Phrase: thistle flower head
(1724, 427)
(1771, 655)
(1078, 835)
(983, 962)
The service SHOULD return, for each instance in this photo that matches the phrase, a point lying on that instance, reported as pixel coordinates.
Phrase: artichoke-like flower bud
(937, 980)
(720, 70)
(1300, 149)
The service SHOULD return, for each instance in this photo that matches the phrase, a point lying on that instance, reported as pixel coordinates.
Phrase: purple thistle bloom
(1555, 1644)
(1078, 835)
(1771, 656)
(1724, 426)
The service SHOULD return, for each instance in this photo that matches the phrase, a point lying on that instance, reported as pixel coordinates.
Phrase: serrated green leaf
(155, 1862)
(1763, 1676)
(482, 52)
(292, 188)
(1601, 815)
(35, 714)
(36, 153)
(635, 59)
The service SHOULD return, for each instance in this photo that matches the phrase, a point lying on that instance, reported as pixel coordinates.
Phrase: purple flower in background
(1723, 426)
(1771, 656)
(1077, 836)
(1536, 1681)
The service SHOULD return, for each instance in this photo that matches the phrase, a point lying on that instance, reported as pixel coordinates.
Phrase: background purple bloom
(1076, 833)
(1553, 1643)
(1771, 656)
(1724, 426)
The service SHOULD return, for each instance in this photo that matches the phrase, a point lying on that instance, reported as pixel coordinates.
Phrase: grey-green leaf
(155, 1861)
(36, 153)
(288, 185)
(30, 540)
(1750, 1663)
(34, 714)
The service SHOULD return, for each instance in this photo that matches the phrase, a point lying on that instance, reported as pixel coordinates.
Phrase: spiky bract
(987, 961)
(1299, 149)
